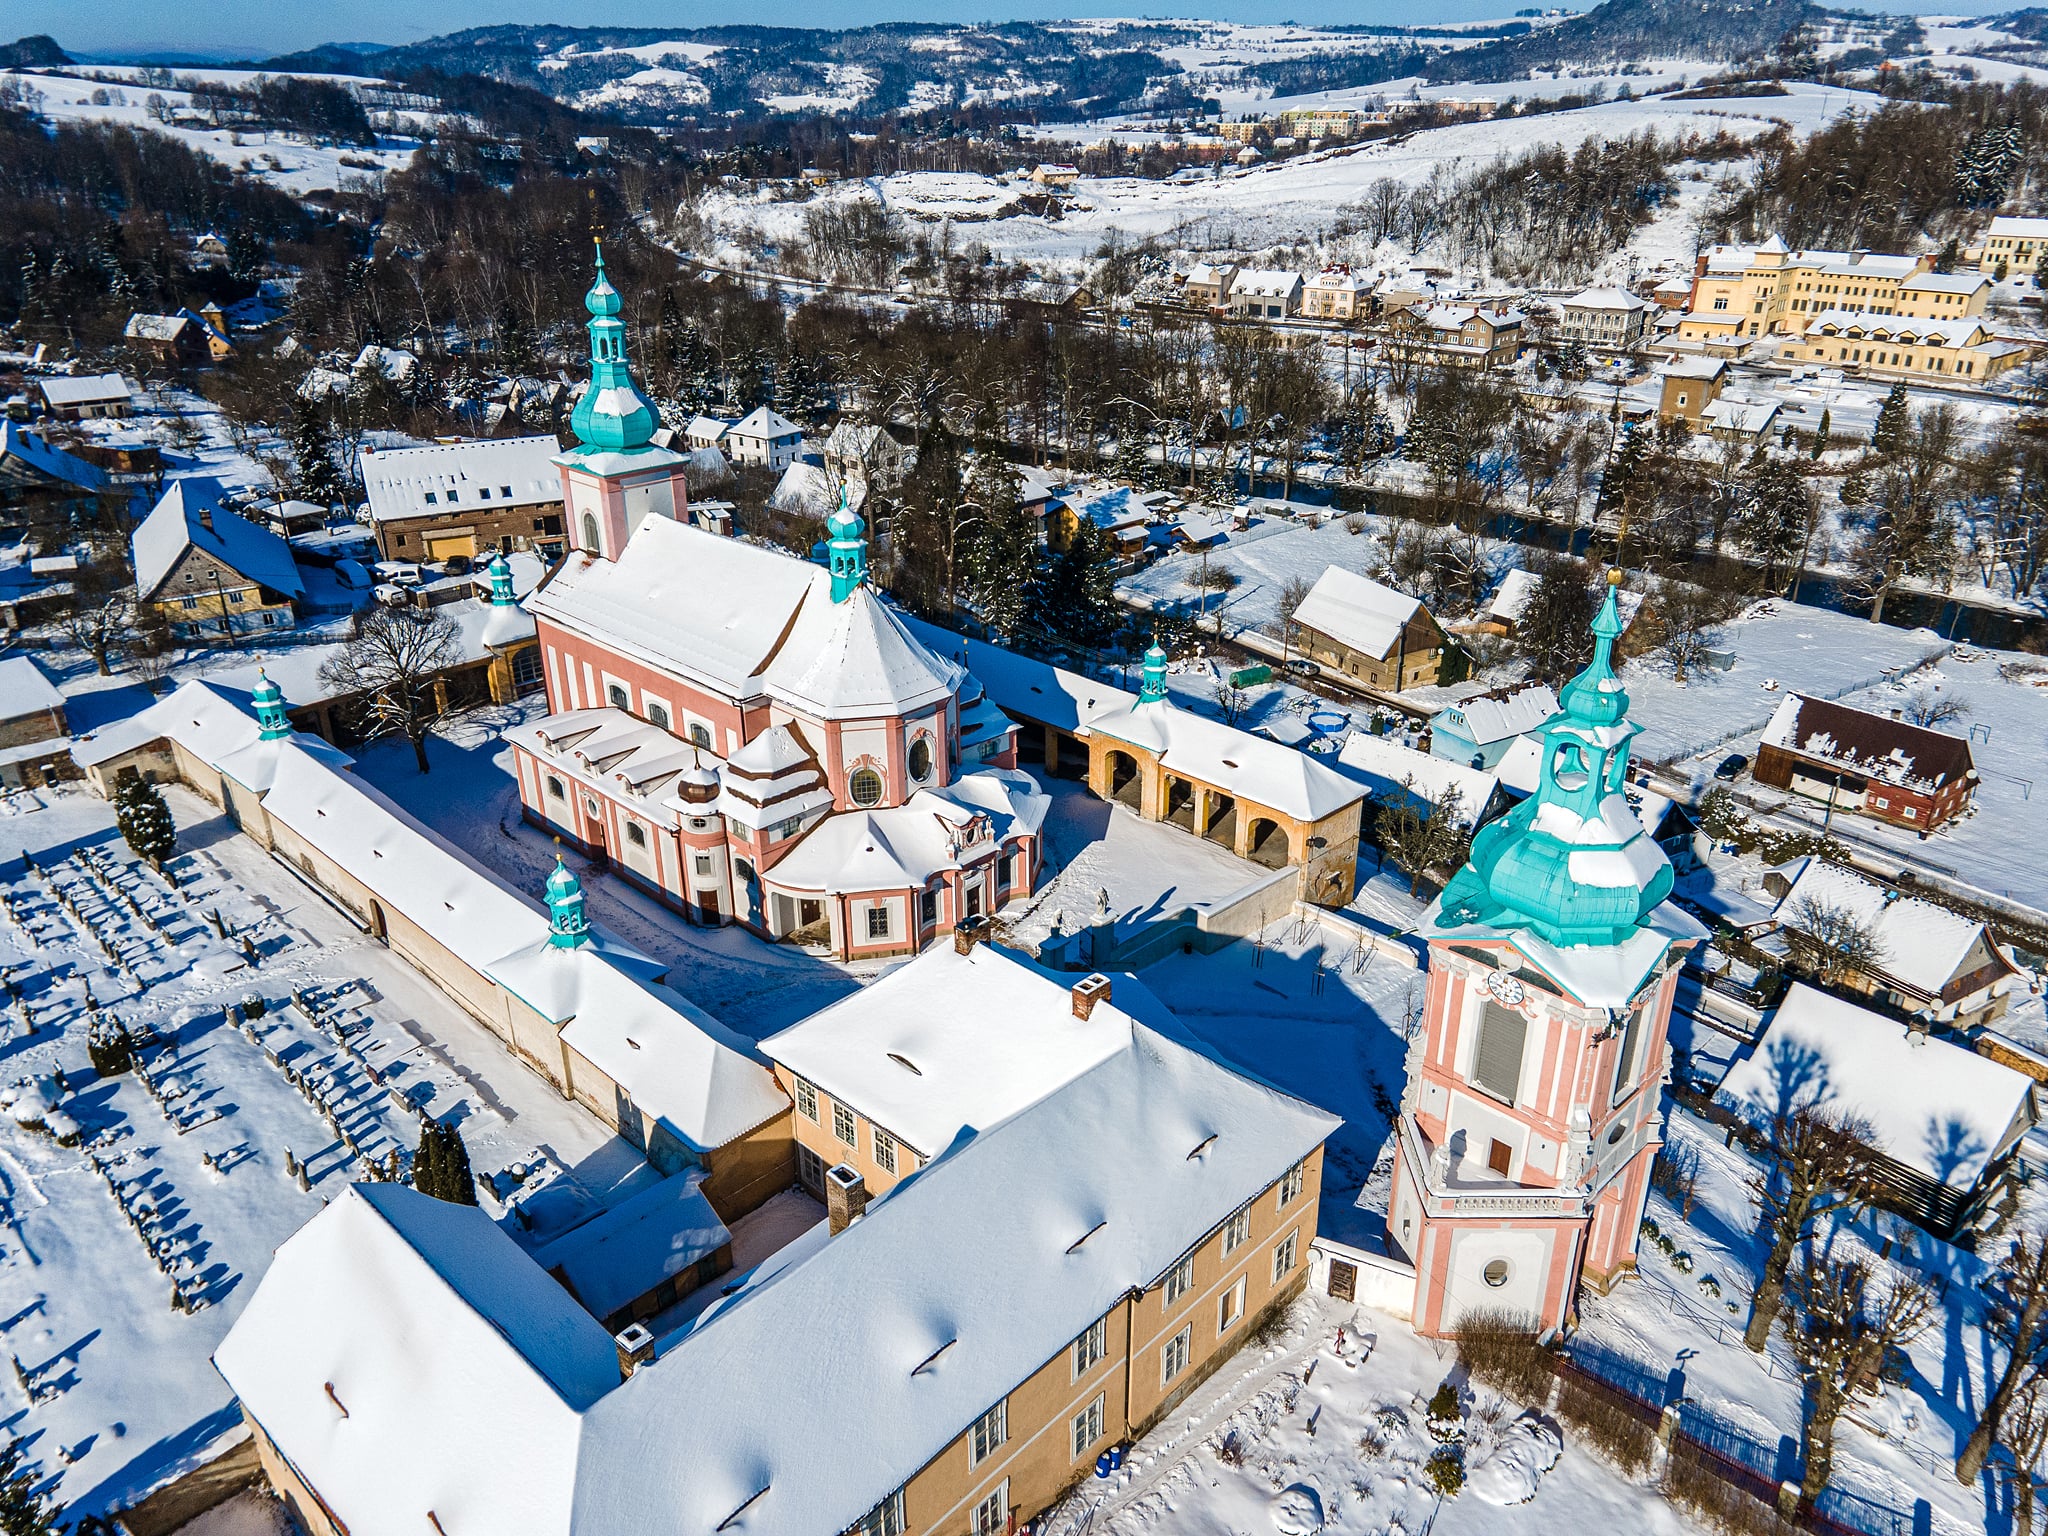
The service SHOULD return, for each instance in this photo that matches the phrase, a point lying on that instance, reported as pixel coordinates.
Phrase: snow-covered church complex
(748, 736)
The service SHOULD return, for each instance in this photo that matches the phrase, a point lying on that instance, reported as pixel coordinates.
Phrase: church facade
(750, 737)
(1531, 1115)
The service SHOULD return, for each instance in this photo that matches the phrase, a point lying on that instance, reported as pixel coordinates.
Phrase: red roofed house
(1858, 760)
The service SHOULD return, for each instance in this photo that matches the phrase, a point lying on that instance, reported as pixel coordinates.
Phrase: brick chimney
(206, 516)
(1089, 991)
(846, 1196)
(968, 932)
(636, 1348)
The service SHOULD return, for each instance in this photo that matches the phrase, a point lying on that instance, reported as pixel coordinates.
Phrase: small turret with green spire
(269, 701)
(613, 416)
(500, 573)
(1152, 689)
(567, 924)
(849, 549)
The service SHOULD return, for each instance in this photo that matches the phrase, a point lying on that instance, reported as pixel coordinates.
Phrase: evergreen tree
(23, 1511)
(1572, 361)
(1076, 597)
(1777, 516)
(999, 548)
(1555, 629)
(1625, 468)
(320, 479)
(923, 534)
(440, 1166)
(1890, 433)
(1820, 435)
(144, 819)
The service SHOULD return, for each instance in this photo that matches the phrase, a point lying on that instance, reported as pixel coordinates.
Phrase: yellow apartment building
(1743, 292)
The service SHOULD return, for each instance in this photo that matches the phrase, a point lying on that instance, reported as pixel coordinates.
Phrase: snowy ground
(120, 1391)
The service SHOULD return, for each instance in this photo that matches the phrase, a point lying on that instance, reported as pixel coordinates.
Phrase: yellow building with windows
(1743, 292)
(2016, 245)
(1938, 351)
(209, 571)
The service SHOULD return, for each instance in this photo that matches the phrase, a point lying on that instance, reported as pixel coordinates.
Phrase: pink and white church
(751, 737)
(1532, 1110)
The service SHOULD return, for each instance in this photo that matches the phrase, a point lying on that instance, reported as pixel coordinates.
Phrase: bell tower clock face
(1505, 988)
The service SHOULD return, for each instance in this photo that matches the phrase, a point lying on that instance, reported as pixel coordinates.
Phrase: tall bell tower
(617, 476)
(1533, 1106)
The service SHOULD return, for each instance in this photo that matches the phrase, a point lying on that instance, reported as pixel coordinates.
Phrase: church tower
(617, 476)
(1532, 1110)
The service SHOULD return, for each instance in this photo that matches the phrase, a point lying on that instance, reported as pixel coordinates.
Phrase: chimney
(1089, 991)
(206, 516)
(846, 1196)
(636, 1348)
(968, 932)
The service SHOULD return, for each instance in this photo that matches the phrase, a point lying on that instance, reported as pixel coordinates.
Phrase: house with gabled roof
(1480, 730)
(1371, 633)
(208, 570)
(471, 498)
(1858, 760)
(763, 439)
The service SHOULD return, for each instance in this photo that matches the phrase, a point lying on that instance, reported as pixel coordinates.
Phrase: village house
(1939, 1121)
(1058, 177)
(1456, 335)
(1157, 1210)
(85, 397)
(1479, 730)
(1372, 634)
(1741, 421)
(1686, 386)
(180, 339)
(210, 571)
(750, 737)
(762, 440)
(864, 455)
(466, 499)
(1858, 760)
(2013, 247)
(1207, 285)
(1399, 775)
(1335, 293)
(1926, 962)
(1257, 295)
(1120, 512)
(35, 738)
(1604, 317)
(1533, 1105)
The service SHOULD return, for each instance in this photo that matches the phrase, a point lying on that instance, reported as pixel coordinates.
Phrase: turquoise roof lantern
(1152, 689)
(567, 925)
(612, 415)
(849, 549)
(500, 572)
(269, 701)
(1572, 862)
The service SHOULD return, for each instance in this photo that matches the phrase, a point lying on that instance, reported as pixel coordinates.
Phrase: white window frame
(1085, 1428)
(607, 683)
(807, 1100)
(1092, 1347)
(992, 1515)
(885, 1519)
(1175, 1354)
(1237, 1231)
(1291, 1183)
(988, 1434)
(1230, 1307)
(1179, 1280)
(1286, 1256)
(850, 1137)
(885, 1149)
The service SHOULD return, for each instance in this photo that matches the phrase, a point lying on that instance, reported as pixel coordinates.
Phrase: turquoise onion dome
(849, 548)
(500, 573)
(567, 924)
(270, 716)
(1152, 688)
(1572, 862)
(613, 416)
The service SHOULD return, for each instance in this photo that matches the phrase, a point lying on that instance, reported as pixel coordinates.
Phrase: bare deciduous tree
(389, 674)
(1928, 706)
(1815, 1164)
(1840, 1328)
(2018, 1319)
(1832, 939)
(1421, 835)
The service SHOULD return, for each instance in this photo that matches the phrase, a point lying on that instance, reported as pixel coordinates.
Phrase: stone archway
(1122, 779)
(1266, 843)
(1221, 824)
(1181, 802)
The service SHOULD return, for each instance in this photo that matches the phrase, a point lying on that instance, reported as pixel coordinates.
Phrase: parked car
(1731, 766)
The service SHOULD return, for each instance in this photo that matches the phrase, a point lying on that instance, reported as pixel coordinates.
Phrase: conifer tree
(440, 1166)
(145, 821)
(23, 1511)
(1076, 597)
(320, 479)
(1890, 433)
(1820, 434)
(999, 547)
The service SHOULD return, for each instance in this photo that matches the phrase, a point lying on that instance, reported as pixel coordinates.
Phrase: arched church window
(1568, 766)
(921, 759)
(590, 540)
(865, 786)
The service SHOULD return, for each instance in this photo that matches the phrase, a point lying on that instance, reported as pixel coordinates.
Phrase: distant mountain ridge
(1630, 31)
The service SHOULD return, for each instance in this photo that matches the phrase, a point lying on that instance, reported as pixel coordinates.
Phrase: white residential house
(1208, 284)
(706, 431)
(865, 455)
(1605, 317)
(763, 439)
(1265, 295)
(78, 398)
(1335, 293)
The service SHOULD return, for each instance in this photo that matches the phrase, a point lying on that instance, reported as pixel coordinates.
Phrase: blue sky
(255, 28)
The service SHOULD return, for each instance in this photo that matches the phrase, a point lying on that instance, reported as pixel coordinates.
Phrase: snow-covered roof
(1855, 324)
(1335, 280)
(464, 477)
(611, 750)
(1357, 612)
(214, 724)
(1386, 767)
(1923, 945)
(1511, 598)
(616, 1258)
(1870, 744)
(954, 1043)
(180, 521)
(1209, 274)
(1486, 720)
(143, 327)
(761, 422)
(1247, 766)
(87, 389)
(1749, 417)
(410, 1361)
(855, 657)
(1023, 687)
(1708, 368)
(24, 690)
(1605, 299)
(1264, 284)
(28, 448)
(1521, 767)
(706, 429)
(1939, 1108)
(1141, 1155)
(901, 847)
(1945, 282)
(813, 491)
(2009, 224)
(1597, 975)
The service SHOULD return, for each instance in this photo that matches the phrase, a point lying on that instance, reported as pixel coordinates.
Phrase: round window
(921, 759)
(865, 786)
(1496, 1273)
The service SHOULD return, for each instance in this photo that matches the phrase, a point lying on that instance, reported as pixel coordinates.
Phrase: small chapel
(750, 737)
(1532, 1111)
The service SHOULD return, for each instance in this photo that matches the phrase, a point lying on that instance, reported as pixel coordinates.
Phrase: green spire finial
(849, 548)
(1153, 689)
(612, 415)
(500, 572)
(269, 701)
(567, 926)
